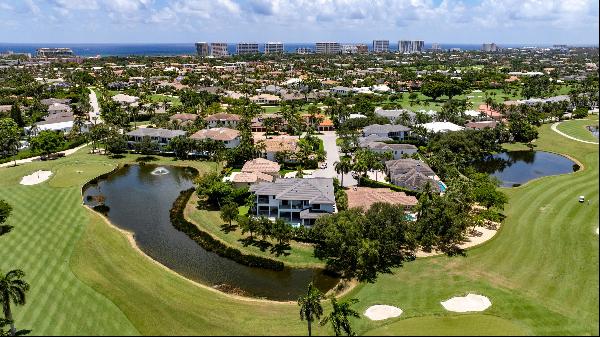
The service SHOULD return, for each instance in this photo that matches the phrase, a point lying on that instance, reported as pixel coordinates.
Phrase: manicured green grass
(577, 128)
(48, 222)
(175, 101)
(540, 271)
(300, 254)
(463, 325)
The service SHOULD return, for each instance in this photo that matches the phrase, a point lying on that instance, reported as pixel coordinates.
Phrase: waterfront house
(297, 201)
(229, 137)
(160, 136)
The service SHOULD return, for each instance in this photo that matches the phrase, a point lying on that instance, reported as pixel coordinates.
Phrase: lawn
(577, 128)
(540, 271)
(300, 255)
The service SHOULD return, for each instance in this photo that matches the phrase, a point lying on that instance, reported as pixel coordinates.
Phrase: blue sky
(163, 21)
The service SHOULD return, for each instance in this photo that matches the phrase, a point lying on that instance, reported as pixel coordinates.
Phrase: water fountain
(159, 171)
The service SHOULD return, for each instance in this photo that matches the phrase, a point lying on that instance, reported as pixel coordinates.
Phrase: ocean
(171, 49)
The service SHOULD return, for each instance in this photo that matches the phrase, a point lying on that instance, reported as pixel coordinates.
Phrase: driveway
(333, 155)
(95, 113)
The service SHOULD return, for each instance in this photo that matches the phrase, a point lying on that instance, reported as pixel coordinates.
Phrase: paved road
(95, 113)
(333, 155)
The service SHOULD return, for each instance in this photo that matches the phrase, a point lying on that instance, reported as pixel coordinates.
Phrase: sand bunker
(36, 178)
(381, 312)
(471, 302)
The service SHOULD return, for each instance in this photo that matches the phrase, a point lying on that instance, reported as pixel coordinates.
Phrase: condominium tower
(381, 46)
(246, 48)
(407, 47)
(328, 48)
(202, 48)
(489, 47)
(274, 48)
(219, 49)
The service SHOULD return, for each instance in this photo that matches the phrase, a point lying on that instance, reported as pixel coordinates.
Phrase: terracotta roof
(184, 117)
(221, 134)
(261, 165)
(489, 111)
(280, 144)
(364, 197)
(222, 117)
(252, 177)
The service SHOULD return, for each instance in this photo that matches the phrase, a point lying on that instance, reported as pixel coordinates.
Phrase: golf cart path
(29, 160)
(554, 128)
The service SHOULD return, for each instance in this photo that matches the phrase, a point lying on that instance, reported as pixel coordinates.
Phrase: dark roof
(156, 132)
(315, 190)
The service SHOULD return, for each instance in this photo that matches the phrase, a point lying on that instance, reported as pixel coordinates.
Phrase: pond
(518, 167)
(139, 199)
(593, 129)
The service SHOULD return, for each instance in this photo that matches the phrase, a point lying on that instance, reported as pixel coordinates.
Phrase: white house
(436, 127)
(297, 201)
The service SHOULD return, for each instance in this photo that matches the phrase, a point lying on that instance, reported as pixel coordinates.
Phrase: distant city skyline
(346, 21)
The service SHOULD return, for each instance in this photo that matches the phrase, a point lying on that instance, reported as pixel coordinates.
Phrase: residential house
(436, 127)
(126, 100)
(411, 174)
(161, 136)
(222, 120)
(229, 137)
(365, 197)
(184, 119)
(394, 131)
(278, 144)
(339, 90)
(397, 150)
(481, 125)
(297, 201)
(265, 99)
(256, 171)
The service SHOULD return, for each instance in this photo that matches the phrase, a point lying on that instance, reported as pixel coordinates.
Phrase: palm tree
(12, 289)
(343, 167)
(310, 305)
(339, 316)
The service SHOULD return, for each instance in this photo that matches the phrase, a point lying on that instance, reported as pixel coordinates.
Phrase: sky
(186, 21)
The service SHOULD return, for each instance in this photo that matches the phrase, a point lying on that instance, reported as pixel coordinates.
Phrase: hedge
(211, 244)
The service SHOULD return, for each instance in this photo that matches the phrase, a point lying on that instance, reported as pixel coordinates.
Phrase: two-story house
(161, 136)
(229, 137)
(222, 120)
(394, 131)
(297, 201)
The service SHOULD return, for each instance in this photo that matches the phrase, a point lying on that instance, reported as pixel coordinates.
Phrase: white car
(581, 198)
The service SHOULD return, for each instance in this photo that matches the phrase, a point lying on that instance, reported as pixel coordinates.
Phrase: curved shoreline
(131, 239)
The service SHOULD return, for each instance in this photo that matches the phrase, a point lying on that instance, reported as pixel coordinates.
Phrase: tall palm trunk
(342, 179)
(8, 315)
(309, 327)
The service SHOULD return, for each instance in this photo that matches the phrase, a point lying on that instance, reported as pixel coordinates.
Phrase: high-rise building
(362, 48)
(436, 47)
(328, 48)
(408, 47)
(202, 49)
(304, 50)
(55, 52)
(489, 47)
(349, 49)
(274, 48)
(381, 46)
(243, 48)
(219, 49)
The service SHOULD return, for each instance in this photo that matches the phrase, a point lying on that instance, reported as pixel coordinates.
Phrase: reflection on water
(518, 167)
(139, 201)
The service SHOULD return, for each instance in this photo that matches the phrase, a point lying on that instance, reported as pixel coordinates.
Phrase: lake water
(139, 199)
(518, 167)
(594, 130)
